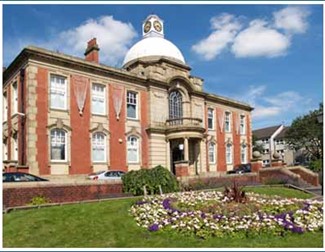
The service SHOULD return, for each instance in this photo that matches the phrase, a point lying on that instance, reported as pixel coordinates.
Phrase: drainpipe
(22, 118)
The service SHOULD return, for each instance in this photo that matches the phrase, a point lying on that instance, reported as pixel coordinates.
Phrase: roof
(154, 46)
(265, 132)
(60, 59)
(281, 135)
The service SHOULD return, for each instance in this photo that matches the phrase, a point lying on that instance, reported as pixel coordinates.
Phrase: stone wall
(20, 194)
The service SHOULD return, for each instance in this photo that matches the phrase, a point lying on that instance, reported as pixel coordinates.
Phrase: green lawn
(108, 225)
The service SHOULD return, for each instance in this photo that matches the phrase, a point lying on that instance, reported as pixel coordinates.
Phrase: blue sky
(270, 56)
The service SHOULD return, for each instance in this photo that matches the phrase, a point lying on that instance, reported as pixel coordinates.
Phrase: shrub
(134, 181)
(39, 200)
(315, 165)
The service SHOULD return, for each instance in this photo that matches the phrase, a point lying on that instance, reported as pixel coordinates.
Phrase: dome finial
(153, 26)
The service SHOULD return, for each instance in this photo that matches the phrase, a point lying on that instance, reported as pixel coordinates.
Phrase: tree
(257, 146)
(306, 133)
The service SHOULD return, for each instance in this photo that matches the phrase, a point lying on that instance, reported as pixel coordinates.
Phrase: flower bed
(212, 214)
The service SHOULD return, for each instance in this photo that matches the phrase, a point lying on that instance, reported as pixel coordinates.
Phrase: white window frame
(96, 142)
(227, 121)
(134, 148)
(15, 146)
(211, 117)
(212, 152)
(242, 127)
(130, 101)
(14, 98)
(98, 96)
(59, 142)
(243, 154)
(229, 153)
(56, 89)
(5, 107)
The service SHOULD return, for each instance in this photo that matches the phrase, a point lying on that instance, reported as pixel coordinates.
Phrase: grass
(108, 225)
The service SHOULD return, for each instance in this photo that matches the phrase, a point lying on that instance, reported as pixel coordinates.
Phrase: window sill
(59, 162)
(133, 119)
(99, 115)
(59, 110)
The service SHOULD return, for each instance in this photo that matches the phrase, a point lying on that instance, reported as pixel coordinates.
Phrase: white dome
(154, 46)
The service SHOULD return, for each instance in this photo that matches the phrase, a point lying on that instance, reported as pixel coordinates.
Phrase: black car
(20, 177)
(242, 168)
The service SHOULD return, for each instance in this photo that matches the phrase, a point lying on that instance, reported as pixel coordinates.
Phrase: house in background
(272, 140)
(67, 115)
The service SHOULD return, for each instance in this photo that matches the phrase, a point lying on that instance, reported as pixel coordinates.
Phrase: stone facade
(161, 140)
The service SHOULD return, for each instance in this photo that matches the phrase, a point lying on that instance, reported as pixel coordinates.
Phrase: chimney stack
(91, 53)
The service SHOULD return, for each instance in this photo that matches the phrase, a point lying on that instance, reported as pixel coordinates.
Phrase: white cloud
(276, 107)
(265, 112)
(285, 99)
(225, 28)
(260, 40)
(113, 38)
(292, 19)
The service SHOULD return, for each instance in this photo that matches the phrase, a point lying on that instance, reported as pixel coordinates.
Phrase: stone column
(186, 150)
(168, 155)
(256, 161)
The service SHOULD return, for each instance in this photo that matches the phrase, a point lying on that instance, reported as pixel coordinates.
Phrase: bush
(39, 200)
(315, 165)
(134, 181)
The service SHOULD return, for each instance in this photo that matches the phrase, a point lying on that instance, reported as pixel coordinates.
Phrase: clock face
(147, 27)
(157, 26)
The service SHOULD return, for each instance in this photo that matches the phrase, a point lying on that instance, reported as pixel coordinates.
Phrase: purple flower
(153, 228)
(139, 203)
(166, 204)
(298, 230)
(203, 215)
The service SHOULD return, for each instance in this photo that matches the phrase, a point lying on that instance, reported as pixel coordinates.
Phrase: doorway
(176, 153)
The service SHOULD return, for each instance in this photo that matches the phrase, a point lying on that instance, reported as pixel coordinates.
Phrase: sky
(269, 56)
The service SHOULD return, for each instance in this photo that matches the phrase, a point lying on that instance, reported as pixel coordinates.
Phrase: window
(58, 145)
(227, 122)
(175, 105)
(58, 91)
(15, 98)
(5, 149)
(5, 107)
(212, 156)
(98, 99)
(99, 147)
(131, 101)
(133, 149)
(15, 146)
(242, 128)
(210, 118)
(229, 154)
(243, 154)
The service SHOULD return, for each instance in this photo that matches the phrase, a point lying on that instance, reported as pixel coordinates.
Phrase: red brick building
(68, 115)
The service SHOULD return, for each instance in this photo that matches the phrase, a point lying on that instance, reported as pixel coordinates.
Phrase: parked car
(105, 175)
(20, 177)
(242, 168)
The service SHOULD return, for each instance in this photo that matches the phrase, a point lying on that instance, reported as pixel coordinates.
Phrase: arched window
(133, 149)
(229, 153)
(99, 147)
(212, 153)
(175, 105)
(243, 154)
(58, 145)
